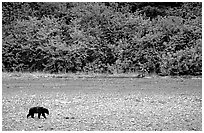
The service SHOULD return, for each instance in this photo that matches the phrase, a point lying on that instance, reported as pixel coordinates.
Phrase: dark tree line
(116, 37)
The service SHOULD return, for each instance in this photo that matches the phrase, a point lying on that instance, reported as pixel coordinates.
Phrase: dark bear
(39, 110)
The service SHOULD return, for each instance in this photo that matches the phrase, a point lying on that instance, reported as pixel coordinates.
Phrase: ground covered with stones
(103, 104)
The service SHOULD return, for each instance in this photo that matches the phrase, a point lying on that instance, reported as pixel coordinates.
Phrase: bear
(39, 110)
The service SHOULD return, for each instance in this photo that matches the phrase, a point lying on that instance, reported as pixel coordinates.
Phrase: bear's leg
(39, 115)
(43, 114)
(32, 115)
(28, 115)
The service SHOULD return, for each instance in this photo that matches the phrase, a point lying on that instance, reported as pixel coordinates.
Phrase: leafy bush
(102, 38)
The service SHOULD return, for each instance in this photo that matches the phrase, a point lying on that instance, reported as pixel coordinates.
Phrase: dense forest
(116, 37)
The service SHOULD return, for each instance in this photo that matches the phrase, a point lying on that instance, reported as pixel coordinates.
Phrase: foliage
(103, 37)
